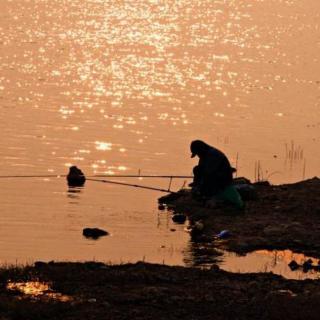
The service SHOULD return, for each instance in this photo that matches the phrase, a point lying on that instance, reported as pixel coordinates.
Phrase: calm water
(122, 86)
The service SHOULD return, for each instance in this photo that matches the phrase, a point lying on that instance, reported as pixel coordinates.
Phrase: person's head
(198, 148)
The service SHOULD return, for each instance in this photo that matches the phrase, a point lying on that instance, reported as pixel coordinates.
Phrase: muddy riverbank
(279, 217)
(148, 291)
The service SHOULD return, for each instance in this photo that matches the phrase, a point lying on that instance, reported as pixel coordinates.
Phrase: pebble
(179, 218)
(293, 265)
(94, 233)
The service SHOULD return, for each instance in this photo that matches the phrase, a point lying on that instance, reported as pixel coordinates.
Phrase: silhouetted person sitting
(213, 174)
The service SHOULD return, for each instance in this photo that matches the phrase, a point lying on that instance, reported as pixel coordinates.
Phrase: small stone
(307, 265)
(92, 300)
(161, 207)
(179, 218)
(94, 233)
(293, 265)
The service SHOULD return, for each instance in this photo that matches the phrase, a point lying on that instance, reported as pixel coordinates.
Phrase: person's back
(214, 169)
(213, 174)
(217, 168)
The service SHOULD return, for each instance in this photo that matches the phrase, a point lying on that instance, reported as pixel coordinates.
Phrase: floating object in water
(75, 177)
(94, 233)
(179, 218)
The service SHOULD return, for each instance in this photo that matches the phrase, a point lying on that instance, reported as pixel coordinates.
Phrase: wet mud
(147, 291)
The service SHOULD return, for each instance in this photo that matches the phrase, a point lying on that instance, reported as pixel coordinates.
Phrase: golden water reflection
(206, 255)
(114, 86)
(276, 261)
(37, 289)
(111, 69)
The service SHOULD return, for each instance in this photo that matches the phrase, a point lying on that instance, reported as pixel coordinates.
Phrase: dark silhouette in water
(75, 177)
(94, 233)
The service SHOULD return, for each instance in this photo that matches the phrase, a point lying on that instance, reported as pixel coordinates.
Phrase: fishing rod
(139, 176)
(104, 181)
(34, 176)
(97, 176)
(76, 178)
(132, 185)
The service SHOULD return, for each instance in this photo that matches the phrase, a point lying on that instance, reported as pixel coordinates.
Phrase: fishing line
(34, 176)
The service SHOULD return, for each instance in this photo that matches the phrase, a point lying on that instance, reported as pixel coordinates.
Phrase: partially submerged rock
(94, 233)
(306, 266)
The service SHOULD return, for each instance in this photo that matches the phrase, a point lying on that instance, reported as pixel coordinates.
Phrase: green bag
(230, 194)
